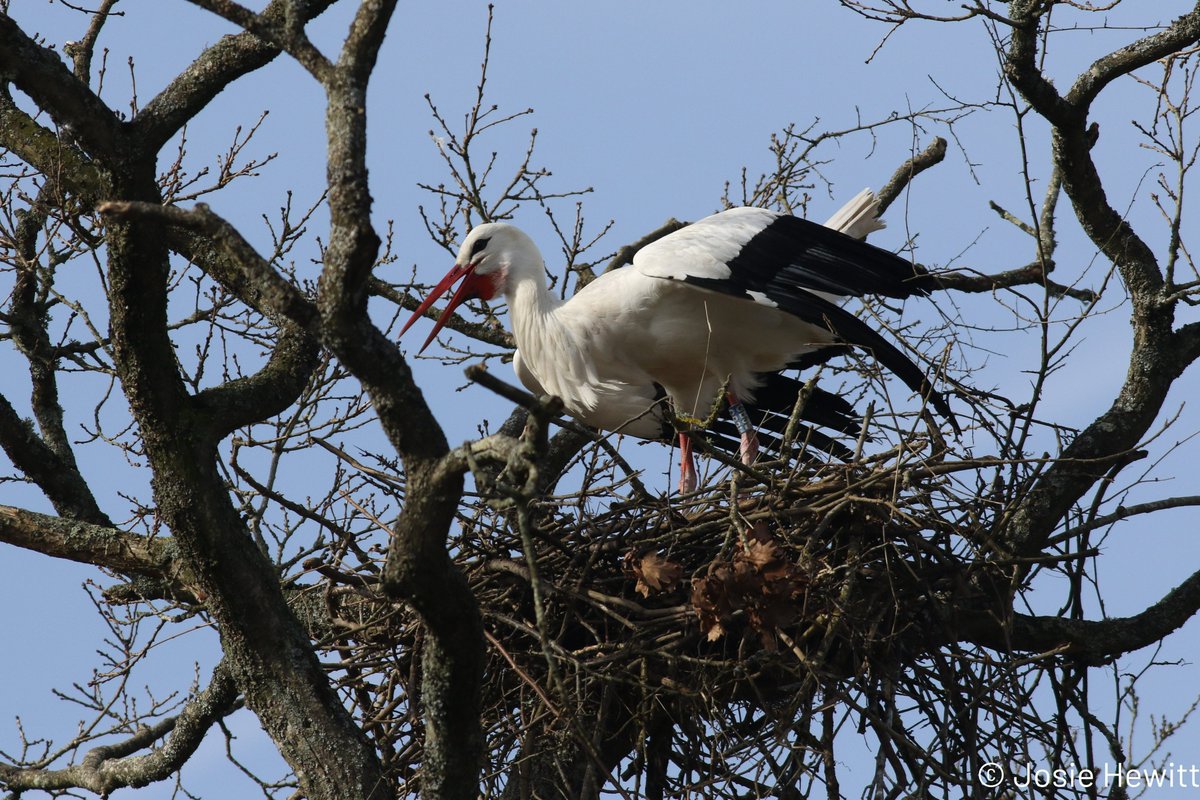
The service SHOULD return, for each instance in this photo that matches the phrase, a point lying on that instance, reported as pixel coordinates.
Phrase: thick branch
(1187, 339)
(277, 385)
(29, 320)
(361, 49)
(1020, 65)
(1154, 363)
(268, 652)
(1182, 33)
(46, 151)
(930, 156)
(426, 576)
(1090, 641)
(99, 545)
(286, 33)
(106, 768)
(1152, 371)
(251, 278)
(215, 68)
(576, 765)
(418, 568)
(39, 73)
(1073, 141)
(64, 487)
(266, 393)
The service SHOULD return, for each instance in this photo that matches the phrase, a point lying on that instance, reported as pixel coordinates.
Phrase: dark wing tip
(810, 256)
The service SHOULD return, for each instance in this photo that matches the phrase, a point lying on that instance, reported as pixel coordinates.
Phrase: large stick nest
(831, 570)
(611, 613)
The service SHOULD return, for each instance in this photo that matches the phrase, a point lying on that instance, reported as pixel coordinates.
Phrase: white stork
(726, 302)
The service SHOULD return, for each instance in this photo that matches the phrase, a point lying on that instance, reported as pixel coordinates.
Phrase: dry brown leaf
(760, 582)
(655, 574)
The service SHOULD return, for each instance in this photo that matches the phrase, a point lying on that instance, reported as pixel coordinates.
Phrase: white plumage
(726, 301)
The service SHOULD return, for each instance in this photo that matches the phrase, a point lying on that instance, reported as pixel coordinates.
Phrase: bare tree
(567, 630)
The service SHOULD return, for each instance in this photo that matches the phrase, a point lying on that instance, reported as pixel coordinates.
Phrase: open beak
(466, 291)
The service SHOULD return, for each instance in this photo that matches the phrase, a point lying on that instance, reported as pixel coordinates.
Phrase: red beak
(470, 288)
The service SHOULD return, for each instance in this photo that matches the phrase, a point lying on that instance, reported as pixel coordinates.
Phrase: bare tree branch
(284, 28)
(929, 157)
(68, 101)
(87, 543)
(63, 484)
(109, 767)
(217, 67)
(1091, 642)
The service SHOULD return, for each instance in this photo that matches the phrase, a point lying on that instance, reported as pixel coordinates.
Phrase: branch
(1029, 275)
(109, 767)
(62, 484)
(254, 280)
(220, 251)
(1187, 340)
(285, 34)
(81, 52)
(361, 49)
(268, 652)
(418, 567)
(28, 318)
(1092, 642)
(39, 73)
(216, 68)
(1125, 512)
(46, 151)
(266, 393)
(1182, 33)
(87, 543)
(930, 156)
(1154, 363)
(1020, 65)
(276, 386)
(1073, 141)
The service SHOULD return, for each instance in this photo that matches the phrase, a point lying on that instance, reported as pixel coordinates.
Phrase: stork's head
(491, 256)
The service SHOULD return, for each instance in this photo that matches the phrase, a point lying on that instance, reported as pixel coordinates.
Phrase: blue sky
(654, 106)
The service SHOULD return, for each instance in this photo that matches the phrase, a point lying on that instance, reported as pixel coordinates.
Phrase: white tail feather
(859, 217)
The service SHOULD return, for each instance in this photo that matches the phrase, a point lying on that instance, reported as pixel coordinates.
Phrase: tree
(568, 629)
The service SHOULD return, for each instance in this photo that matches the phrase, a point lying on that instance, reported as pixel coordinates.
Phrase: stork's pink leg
(687, 465)
(749, 447)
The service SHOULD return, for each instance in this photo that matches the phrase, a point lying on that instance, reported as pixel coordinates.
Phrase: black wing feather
(724, 435)
(794, 252)
(778, 394)
(817, 310)
(771, 411)
(791, 258)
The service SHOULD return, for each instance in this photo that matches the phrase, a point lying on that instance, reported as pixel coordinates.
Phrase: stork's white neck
(531, 309)
(553, 346)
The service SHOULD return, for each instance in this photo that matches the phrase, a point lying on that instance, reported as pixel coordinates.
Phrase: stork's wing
(755, 250)
(800, 267)
(771, 412)
(778, 395)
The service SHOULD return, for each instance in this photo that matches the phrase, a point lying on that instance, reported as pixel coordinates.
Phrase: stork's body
(717, 305)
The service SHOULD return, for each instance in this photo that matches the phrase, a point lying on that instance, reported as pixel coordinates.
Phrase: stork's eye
(479, 245)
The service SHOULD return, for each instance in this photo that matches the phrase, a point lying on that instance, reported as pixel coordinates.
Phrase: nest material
(833, 585)
(832, 578)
